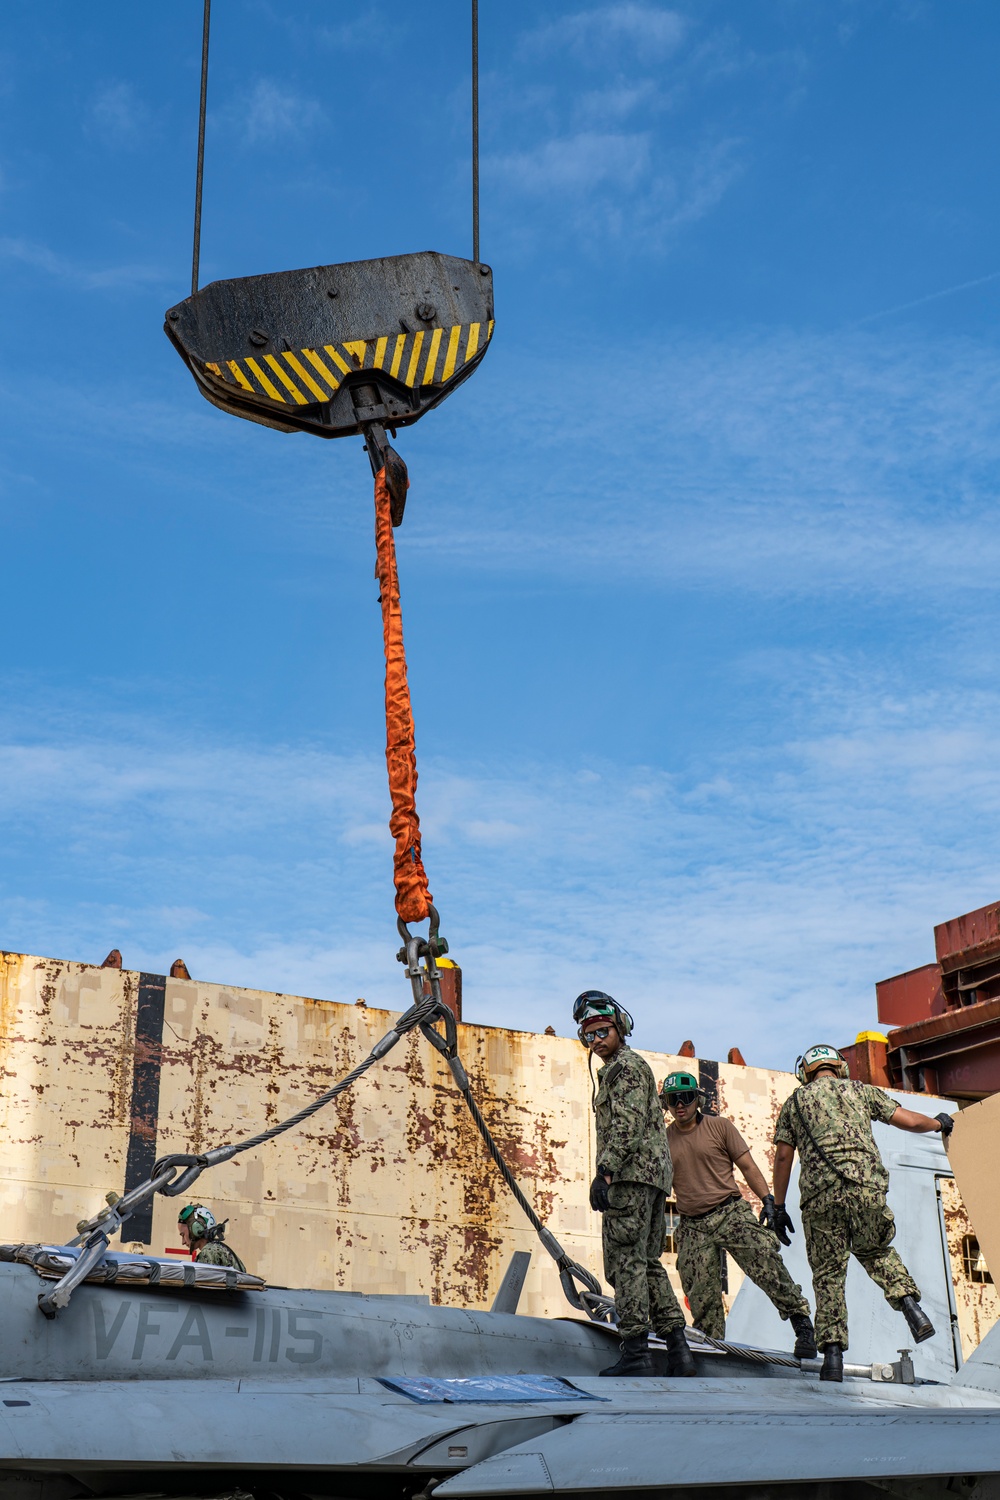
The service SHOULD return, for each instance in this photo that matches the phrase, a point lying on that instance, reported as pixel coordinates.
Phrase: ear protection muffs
(199, 1219)
(819, 1056)
(595, 1003)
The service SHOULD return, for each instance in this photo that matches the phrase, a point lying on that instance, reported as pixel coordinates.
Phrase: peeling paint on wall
(389, 1189)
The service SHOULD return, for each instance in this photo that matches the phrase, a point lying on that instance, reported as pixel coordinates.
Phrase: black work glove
(774, 1216)
(947, 1125)
(600, 1198)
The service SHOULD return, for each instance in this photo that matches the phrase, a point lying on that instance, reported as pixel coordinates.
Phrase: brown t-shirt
(703, 1163)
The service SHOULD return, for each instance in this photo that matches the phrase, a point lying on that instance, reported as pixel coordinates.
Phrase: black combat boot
(680, 1360)
(636, 1358)
(917, 1320)
(833, 1363)
(805, 1336)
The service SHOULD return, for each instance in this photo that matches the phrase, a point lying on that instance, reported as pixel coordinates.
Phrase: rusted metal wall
(66, 1063)
(389, 1189)
(977, 1301)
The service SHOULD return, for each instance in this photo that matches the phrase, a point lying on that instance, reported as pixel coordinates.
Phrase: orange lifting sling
(413, 899)
(359, 347)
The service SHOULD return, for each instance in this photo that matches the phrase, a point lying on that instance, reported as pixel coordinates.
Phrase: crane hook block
(334, 349)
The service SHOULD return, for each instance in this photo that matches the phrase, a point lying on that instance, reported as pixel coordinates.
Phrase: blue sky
(699, 571)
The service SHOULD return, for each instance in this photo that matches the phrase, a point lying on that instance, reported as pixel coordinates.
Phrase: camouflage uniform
(731, 1227)
(844, 1211)
(632, 1147)
(217, 1253)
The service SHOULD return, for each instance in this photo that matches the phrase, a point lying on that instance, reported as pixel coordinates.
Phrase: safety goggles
(585, 1010)
(674, 1099)
(597, 1035)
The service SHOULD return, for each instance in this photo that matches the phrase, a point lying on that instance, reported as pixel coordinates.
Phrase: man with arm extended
(715, 1219)
(842, 1188)
(630, 1189)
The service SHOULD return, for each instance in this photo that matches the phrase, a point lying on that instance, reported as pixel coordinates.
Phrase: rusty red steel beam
(972, 938)
(967, 1018)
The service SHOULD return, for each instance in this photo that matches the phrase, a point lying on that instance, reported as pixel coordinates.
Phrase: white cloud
(118, 116)
(269, 113)
(618, 100)
(615, 187)
(590, 155)
(109, 278)
(778, 463)
(368, 28)
(577, 164)
(649, 31)
(752, 902)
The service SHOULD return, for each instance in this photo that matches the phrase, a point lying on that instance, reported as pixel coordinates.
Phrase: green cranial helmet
(680, 1083)
(198, 1219)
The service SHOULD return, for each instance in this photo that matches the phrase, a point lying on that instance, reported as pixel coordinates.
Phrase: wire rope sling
(361, 348)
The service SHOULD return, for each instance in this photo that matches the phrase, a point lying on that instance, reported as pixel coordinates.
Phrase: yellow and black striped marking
(427, 357)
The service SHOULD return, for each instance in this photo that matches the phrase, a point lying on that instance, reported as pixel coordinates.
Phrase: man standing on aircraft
(715, 1220)
(630, 1189)
(842, 1188)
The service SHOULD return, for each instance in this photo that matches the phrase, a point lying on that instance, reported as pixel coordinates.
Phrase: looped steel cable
(570, 1272)
(175, 1174)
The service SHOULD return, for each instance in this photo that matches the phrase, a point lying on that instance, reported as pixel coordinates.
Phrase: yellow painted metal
(289, 384)
(238, 374)
(356, 354)
(451, 355)
(305, 377)
(411, 373)
(320, 364)
(338, 359)
(432, 357)
(267, 386)
(397, 354)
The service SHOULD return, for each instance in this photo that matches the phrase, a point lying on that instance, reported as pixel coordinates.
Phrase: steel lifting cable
(176, 1174)
(591, 1299)
(173, 1175)
(202, 110)
(200, 175)
(744, 1351)
(475, 131)
(413, 898)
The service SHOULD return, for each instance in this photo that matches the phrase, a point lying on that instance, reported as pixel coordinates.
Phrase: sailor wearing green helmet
(715, 1219)
(203, 1235)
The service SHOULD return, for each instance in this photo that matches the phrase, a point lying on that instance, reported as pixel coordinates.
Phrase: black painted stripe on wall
(708, 1079)
(145, 1098)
